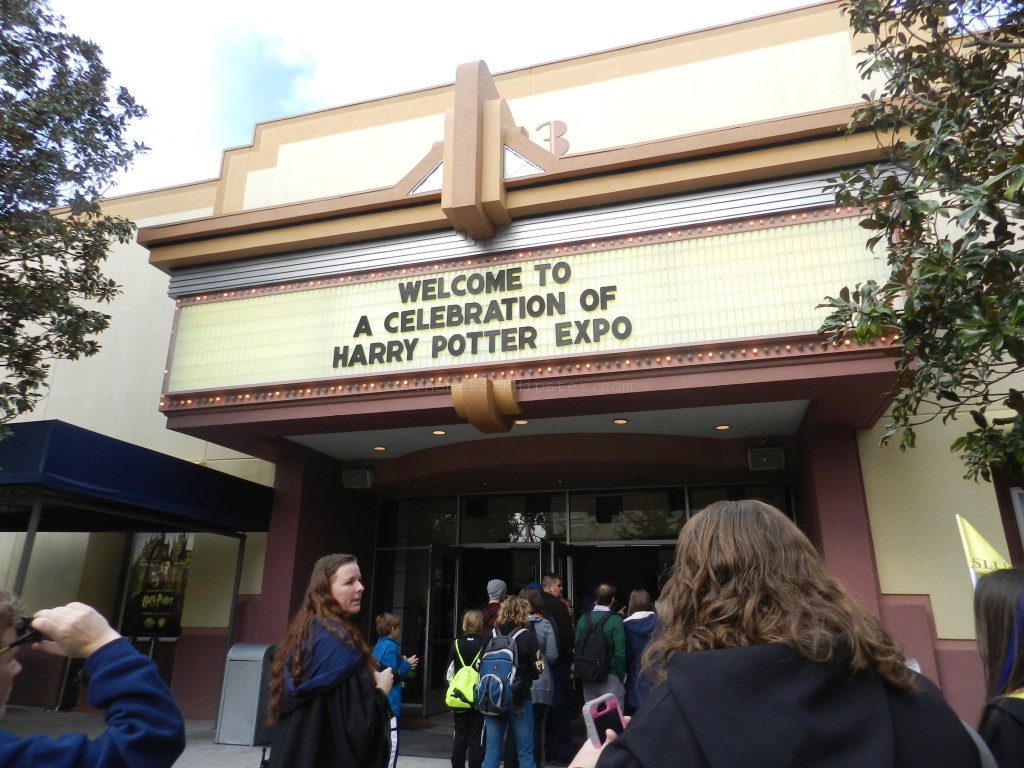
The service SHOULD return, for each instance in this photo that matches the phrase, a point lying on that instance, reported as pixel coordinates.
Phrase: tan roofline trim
(318, 233)
(206, 246)
(769, 134)
(680, 177)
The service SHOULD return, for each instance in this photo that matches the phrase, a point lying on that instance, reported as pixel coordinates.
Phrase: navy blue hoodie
(766, 706)
(639, 627)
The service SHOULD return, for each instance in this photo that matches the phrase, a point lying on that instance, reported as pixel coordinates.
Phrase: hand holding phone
(602, 714)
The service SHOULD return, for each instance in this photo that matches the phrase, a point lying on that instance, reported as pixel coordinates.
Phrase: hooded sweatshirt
(639, 627)
(768, 707)
(1002, 727)
(144, 726)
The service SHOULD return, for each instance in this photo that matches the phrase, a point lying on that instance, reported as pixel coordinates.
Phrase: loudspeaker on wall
(766, 458)
(357, 478)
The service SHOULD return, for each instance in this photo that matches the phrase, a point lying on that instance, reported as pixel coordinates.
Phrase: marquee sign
(646, 293)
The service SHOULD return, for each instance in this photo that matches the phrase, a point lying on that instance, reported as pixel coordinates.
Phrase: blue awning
(91, 482)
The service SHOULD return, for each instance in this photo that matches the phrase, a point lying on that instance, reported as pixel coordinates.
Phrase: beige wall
(913, 496)
(731, 89)
(345, 162)
(210, 579)
(101, 572)
(87, 567)
(116, 393)
(55, 571)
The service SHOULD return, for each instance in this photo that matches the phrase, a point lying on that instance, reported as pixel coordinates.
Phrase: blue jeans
(521, 724)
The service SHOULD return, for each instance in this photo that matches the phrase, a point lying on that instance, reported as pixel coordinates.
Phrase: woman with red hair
(327, 699)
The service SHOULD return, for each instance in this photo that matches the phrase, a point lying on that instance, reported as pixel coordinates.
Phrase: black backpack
(592, 649)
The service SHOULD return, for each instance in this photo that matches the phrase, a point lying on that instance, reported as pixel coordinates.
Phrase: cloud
(207, 71)
(254, 84)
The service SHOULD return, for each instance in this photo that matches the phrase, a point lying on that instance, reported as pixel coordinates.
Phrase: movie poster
(156, 584)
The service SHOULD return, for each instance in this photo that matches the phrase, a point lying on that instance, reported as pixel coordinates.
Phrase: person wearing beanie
(496, 590)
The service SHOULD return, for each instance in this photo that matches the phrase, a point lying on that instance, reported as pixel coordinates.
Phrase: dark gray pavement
(423, 743)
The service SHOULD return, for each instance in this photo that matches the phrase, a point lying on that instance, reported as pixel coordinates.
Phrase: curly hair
(514, 610)
(999, 621)
(10, 610)
(745, 575)
(319, 606)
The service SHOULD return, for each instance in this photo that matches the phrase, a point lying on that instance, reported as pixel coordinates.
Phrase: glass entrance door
(558, 559)
(441, 625)
(517, 565)
(418, 584)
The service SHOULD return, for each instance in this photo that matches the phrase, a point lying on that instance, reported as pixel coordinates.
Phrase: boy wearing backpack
(509, 665)
(600, 661)
(468, 722)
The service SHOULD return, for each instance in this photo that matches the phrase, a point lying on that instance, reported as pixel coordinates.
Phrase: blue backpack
(499, 667)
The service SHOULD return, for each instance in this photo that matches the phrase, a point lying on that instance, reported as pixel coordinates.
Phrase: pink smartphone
(600, 715)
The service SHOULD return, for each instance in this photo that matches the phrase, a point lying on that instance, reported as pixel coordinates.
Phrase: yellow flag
(982, 557)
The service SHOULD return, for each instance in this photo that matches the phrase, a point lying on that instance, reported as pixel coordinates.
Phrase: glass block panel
(412, 522)
(513, 518)
(627, 515)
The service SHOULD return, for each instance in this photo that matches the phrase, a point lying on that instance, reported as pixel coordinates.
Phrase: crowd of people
(752, 654)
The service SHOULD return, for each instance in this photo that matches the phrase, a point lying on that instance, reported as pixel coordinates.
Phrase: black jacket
(345, 726)
(335, 716)
(469, 647)
(765, 706)
(559, 616)
(1002, 728)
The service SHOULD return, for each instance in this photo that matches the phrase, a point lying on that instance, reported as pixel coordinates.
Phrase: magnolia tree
(946, 207)
(62, 138)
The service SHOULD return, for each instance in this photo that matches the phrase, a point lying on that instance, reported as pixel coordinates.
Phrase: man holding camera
(144, 726)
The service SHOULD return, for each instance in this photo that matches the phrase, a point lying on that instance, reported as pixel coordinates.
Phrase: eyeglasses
(25, 634)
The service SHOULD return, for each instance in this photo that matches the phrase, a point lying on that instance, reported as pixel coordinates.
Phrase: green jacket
(615, 639)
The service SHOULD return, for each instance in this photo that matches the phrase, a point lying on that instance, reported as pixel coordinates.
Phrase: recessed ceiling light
(439, 432)
(620, 421)
(521, 422)
(379, 448)
(723, 427)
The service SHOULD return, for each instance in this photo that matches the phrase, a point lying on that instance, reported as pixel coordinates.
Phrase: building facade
(532, 321)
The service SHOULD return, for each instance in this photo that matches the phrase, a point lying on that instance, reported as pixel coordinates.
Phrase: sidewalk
(426, 746)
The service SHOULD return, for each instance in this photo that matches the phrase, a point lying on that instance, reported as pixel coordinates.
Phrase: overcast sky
(208, 71)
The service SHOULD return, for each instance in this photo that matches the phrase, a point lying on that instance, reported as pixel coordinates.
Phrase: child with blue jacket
(387, 654)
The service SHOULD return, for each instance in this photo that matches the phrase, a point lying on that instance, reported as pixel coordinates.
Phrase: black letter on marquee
(363, 328)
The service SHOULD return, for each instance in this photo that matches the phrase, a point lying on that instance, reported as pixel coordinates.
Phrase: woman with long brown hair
(762, 658)
(327, 698)
(999, 620)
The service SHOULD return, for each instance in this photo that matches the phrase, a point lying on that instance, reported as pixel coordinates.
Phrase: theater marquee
(521, 307)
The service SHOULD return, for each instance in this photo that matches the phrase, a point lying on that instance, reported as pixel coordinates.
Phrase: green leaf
(61, 142)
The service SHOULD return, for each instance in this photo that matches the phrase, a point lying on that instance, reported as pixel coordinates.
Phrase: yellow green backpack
(461, 689)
